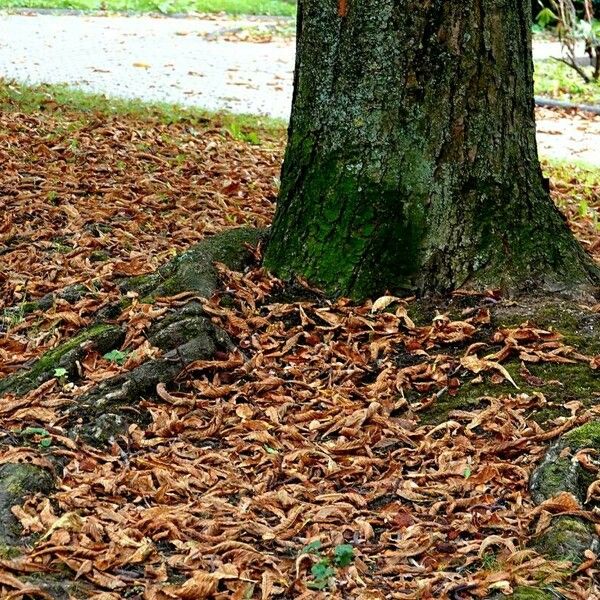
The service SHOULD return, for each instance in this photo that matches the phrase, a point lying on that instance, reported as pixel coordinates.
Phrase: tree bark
(412, 160)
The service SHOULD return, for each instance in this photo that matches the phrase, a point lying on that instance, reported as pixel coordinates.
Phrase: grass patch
(35, 99)
(230, 7)
(554, 79)
(560, 383)
(571, 170)
(576, 191)
(579, 181)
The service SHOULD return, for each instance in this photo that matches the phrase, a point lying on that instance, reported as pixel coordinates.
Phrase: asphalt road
(162, 59)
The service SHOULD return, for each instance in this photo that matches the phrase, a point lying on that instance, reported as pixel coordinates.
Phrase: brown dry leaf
(478, 365)
(201, 585)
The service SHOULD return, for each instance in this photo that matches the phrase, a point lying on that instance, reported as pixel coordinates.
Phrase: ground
(326, 449)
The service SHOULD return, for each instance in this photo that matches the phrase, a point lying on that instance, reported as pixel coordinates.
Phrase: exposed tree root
(101, 337)
(105, 412)
(186, 335)
(100, 414)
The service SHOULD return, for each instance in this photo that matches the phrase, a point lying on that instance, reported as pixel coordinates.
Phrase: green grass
(32, 99)
(554, 79)
(573, 170)
(231, 7)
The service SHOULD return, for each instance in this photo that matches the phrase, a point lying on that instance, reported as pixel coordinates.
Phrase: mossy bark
(103, 413)
(194, 270)
(412, 160)
(560, 472)
(102, 337)
(567, 537)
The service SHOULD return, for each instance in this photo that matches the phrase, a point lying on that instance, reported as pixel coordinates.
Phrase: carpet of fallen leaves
(254, 477)
(86, 198)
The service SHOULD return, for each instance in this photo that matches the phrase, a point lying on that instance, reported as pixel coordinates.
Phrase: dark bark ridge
(412, 161)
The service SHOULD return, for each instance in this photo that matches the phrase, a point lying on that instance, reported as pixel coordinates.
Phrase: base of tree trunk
(411, 163)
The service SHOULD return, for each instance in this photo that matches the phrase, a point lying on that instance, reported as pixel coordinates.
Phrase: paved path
(152, 58)
(175, 60)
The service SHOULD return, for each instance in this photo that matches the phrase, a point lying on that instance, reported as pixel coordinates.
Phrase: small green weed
(321, 572)
(343, 555)
(62, 248)
(325, 568)
(237, 133)
(489, 561)
(116, 356)
(43, 437)
(312, 548)
(53, 197)
(61, 374)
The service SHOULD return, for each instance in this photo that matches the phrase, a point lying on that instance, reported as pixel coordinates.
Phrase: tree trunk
(412, 161)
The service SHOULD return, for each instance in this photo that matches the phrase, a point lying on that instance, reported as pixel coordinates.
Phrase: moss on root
(579, 326)
(16, 482)
(59, 586)
(191, 271)
(71, 294)
(102, 337)
(560, 471)
(586, 436)
(555, 477)
(568, 538)
(194, 270)
(562, 383)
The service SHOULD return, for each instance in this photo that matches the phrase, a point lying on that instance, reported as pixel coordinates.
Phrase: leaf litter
(296, 467)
